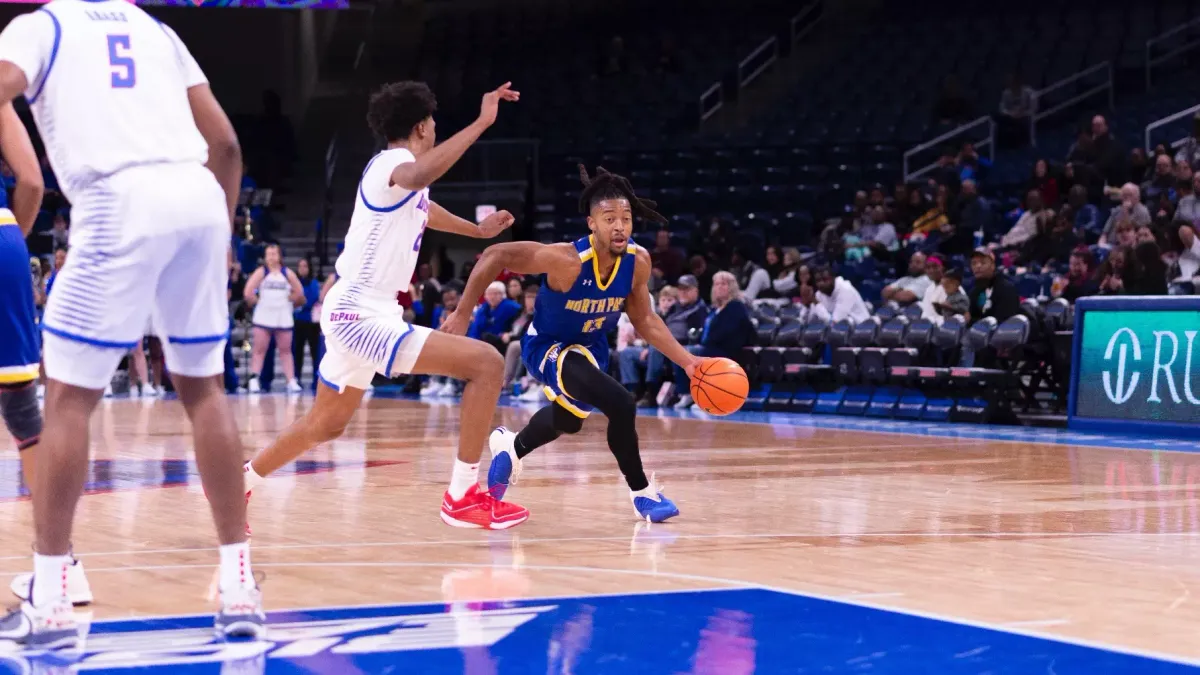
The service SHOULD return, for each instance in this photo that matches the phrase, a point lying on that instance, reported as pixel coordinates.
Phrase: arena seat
(872, 361)
(845, 359)
(902, 361)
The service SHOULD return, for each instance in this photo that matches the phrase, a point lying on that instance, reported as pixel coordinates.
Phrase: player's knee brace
(566, 421)
(21, 414)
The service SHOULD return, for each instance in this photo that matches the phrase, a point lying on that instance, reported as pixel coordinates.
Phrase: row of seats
(893, 365)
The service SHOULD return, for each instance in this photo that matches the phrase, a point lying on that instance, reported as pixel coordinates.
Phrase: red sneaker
(478, 509)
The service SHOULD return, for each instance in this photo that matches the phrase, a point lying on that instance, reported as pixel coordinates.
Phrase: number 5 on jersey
(124, 74)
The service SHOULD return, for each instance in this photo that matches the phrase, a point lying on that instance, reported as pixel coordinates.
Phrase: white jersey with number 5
(385, 230)
(107, 84)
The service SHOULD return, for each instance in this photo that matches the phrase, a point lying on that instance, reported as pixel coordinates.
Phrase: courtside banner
(1136, 365)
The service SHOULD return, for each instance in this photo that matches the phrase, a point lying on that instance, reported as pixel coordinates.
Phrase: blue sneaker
(653, 509)
(506, 466)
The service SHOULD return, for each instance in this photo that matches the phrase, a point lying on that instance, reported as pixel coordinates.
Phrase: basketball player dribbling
(152, 167)
(584, 288)
(364, 327)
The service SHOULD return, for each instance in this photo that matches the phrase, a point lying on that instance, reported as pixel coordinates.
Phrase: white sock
(49, 578)
(235, 567)
(251, 477)
(464, 476)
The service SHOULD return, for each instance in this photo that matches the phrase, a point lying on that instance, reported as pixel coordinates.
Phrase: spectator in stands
(1119, 269)
(702, 273)
(1139, 166)
(1145, 234)
(1080, 281)
(1082, 151)
(947, 173)
(1017, 107)
(1126, 234)
(1183, 170)
(1190, 151)
(952, 106)
(835, 299)
(1083, 175)
(1054, 241)
(1032, 220)
(1131, 209)
(1110, 158)
(666, 260)
(773, 260)
(752, 278)
(687, 315)
(1087, 216)
(879, 235)
(512, 338)
(1152, 271)
(39, 288)
(306, 331)
(936, 293)
(970, 214)
(726, 329)
(633, 354)
(1163, 180)
(1045, 183)
(932, 220)
(1188, 208)
(439, 385)
(907, 290)
(494, 317)
(515, 288)
(993, 293)
(954, 301)
(1189, 256)
(791, 276)
(60, 259)
(909, 209)
(970, 164)
(60, 233)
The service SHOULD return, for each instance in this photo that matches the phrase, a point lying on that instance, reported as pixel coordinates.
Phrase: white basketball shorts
(365, 333)
(149, 243)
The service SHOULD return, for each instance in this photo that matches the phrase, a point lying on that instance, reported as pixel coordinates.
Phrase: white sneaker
(52, 626)
(505, 466)
(448, 389)
(149, 391)
(241, 614)
(108, 392)
(531, 394)
(431, 388)
(253, 386)
(685, 402)
(79, 591)
(293, 387)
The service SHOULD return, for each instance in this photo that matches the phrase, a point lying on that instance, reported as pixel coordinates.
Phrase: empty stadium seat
(873, 361)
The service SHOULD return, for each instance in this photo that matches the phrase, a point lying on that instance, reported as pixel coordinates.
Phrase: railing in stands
(711, 101)
(1106, 84)
(1190, 42)
(988, 141)
(1159, 123)
(759, 60)
(763, 56)
(806, 19)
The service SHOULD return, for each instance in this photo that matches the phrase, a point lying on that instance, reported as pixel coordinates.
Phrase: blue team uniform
(578, 320)
(19, 347)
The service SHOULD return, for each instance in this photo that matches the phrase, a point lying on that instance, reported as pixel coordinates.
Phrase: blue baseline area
(731, 632)
(799, 421)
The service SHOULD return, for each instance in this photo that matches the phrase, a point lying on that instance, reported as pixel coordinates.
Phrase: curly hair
(606, 185)
(396, 109)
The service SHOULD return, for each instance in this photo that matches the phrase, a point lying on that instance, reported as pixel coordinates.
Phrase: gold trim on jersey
(602, 285)
(18, 374)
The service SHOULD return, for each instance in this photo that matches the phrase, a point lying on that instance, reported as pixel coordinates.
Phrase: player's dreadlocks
(607, 185)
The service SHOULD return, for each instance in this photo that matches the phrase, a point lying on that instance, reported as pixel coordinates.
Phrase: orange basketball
(719, 386)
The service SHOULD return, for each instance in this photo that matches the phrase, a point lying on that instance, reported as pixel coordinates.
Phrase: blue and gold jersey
(577, 320)
(19, 345)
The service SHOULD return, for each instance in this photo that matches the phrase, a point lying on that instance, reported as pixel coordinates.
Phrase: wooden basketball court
(1089, 545)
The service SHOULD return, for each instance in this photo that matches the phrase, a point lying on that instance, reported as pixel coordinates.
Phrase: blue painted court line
(726, 632)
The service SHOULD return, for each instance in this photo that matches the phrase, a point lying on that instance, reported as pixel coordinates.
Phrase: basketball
(719, 386)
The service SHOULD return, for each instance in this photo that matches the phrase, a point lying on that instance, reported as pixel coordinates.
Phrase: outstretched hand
(496, 223)
(491, 102)
(456, 323)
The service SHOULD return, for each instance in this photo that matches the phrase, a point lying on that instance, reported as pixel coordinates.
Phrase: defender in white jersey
(364, 327)
(129, 122)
